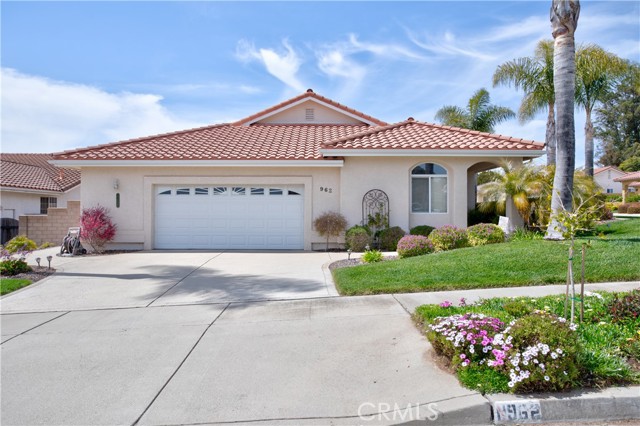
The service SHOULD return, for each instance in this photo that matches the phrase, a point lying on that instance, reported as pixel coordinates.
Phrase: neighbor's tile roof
(223, 142)
(309, 94)
(633, 176)
(33, 171)
(411, 134)
(604, 169)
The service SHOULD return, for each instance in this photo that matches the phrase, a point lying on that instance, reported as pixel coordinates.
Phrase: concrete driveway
(168, 338)
(156, 278)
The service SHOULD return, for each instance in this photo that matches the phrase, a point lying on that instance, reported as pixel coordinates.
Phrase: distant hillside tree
(617, 120)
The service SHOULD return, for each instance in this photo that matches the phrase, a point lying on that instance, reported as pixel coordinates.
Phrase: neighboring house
(259, 183)
(30, 185)
(604, 177)
(630, 183)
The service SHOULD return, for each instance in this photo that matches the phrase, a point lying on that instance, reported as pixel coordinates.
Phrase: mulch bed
(345, 263)
(36, 274)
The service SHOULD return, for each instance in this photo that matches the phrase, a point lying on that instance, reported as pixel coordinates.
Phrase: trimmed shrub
(20, 244)
(97, 227)
(358, 237)
(517, 308)
(372, 256)
(13, 266)
(389, 238)
(423, 230)
(448, 238)
(485, 233)
(626, 307)
(631, 208)
(541, 353)
(414, 245)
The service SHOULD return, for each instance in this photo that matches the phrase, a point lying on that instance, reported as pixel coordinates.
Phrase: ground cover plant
(524, 344)
(525, 260)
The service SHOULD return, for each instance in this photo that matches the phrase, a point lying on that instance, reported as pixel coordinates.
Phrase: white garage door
(229, 217)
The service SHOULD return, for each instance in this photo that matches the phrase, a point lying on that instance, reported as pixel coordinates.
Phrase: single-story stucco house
(259, 183)
(604, 177)
(31, 187)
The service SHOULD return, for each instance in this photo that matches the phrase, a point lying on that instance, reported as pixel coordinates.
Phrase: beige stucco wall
(14, 204)
(322, 115)
(342, 190)
(134, 217)
(393, 176)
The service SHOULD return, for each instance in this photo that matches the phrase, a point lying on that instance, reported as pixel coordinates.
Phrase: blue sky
(83, 73)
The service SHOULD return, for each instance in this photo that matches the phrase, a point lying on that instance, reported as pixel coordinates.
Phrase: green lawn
(7, 285)
(614, 255)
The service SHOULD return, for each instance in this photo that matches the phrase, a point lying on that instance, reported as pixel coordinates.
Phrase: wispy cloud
(43, 115)
(283, 65)
(446, 44)
(344, 59)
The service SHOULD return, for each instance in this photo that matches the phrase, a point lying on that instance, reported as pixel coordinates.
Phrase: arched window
(428, 188)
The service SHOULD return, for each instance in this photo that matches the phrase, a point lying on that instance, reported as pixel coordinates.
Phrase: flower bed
(529, 347)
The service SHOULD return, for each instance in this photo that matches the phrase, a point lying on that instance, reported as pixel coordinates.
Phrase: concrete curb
(582, 405)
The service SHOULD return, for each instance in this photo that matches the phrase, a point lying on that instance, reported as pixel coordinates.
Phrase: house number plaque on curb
(517, 411)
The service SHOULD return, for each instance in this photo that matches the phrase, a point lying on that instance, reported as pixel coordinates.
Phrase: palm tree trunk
(588, 144)
(550, 136)
(564, 20)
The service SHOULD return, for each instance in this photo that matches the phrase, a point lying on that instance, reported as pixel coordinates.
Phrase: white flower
(546, 378)
(511, 384)
(559, 350)
(554, 355)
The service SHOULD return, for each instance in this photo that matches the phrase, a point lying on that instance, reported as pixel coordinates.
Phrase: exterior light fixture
(38, 261)
(349, 254)
(49, 260)
(367, 248)
(116, 184)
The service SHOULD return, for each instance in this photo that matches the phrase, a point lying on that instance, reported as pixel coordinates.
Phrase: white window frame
(412, 176)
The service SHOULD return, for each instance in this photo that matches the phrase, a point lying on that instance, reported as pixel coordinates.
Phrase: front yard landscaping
(525, 345)
(612, 256)
(7, 285)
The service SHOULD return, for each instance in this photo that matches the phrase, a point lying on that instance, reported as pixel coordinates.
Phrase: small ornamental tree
(330, 224)
(97, 227)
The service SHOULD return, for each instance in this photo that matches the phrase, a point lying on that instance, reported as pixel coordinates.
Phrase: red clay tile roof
(603, 169)
(411, 134)
(309, 94)
(633, 176)
(33, 171)
(223, 142)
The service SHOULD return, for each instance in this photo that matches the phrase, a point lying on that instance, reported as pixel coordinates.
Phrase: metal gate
(9, 229)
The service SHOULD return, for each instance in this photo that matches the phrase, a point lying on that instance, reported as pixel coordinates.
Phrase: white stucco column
(625, 190)
(459, 195)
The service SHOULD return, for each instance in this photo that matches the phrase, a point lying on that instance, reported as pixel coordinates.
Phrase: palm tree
(479, 115)
(597, 72)
(564, 20)
(524, 185)
(534, 75)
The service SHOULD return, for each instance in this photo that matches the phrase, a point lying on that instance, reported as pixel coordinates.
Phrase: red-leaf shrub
(97, 227)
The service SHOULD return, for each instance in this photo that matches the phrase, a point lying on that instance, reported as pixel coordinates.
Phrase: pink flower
(445, 304)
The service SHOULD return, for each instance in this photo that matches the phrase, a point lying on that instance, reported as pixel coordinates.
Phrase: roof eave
(199, 163)
(432, 153)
